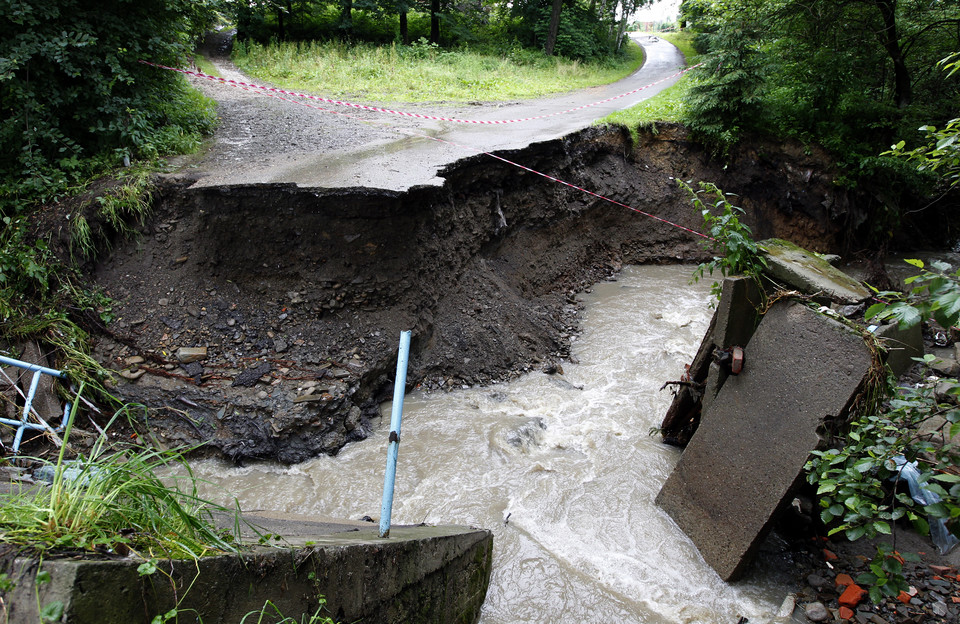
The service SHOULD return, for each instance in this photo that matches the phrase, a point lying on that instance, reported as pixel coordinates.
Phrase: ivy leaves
(858, 481)
(935, 293)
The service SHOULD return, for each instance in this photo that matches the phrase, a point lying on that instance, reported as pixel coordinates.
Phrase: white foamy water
(561, 468)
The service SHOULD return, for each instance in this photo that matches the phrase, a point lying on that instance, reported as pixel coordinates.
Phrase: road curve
(268, 140)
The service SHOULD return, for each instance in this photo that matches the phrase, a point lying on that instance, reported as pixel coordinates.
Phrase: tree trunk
(889, 38)
(435, 21)
(281, 31)
(554, 27)
(346, 16)
(404, 32)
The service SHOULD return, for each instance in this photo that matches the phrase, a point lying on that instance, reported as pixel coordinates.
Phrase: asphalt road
(342, 147)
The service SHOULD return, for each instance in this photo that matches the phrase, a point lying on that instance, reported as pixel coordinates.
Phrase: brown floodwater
(561, 468)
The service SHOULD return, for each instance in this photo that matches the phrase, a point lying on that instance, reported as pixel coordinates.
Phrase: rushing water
(562, 468)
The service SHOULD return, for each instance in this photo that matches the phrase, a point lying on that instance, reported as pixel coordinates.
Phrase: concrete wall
(420, 574)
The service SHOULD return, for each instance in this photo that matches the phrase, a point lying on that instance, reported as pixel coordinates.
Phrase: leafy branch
(733, 239)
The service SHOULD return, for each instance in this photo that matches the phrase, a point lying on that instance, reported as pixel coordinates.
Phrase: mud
(299, 294)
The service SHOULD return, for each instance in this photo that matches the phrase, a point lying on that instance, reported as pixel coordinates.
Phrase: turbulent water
(561, 468)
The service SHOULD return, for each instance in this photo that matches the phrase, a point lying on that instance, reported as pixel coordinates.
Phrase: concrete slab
(801, 369)
(902, 345)
(737, 312)
(809, 273)
(420, 574)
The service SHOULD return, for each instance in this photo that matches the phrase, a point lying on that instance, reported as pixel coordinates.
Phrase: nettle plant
(861, 482)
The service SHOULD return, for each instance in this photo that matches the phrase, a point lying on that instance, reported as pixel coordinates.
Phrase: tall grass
(114, 501)
(423, 72)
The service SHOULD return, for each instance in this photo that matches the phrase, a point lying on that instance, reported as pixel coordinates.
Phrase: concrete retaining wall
(420, 574)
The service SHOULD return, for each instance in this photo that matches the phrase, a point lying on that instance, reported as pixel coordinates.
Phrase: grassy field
(666, 105)
(424, 73)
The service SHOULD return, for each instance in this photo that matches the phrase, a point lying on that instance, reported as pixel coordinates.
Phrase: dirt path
(270, 140)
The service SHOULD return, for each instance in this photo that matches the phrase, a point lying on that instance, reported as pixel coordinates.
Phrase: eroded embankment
(299, 295)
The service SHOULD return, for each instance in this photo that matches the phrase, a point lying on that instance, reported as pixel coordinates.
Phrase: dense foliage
(854, 76)
(571, 28)
(73, 96)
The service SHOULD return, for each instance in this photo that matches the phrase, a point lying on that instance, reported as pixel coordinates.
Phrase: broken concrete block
(901, 346)
(737, 311)
(733, 322)
(801, 369)
(809, 273)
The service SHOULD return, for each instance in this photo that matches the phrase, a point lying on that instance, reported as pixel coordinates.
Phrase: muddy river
(560, 467)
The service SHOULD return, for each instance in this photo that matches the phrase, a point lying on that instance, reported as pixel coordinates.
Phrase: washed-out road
(264, 139)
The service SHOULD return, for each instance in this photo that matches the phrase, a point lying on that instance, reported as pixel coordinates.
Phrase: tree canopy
(72, 89)
(852, 74)
(583, 29)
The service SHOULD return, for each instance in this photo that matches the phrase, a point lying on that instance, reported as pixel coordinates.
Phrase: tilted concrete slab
(419, 574)
(809, 273)
(901, 346)
(800, 369)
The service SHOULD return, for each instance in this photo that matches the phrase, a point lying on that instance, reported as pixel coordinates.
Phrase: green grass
(666, 105)
(423, 73)
(204, 65)
(113, 501)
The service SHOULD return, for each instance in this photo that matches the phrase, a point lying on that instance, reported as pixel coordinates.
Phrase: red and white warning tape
(271, 92)
(378, 109)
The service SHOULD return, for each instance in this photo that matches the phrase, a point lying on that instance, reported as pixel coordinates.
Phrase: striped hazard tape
(247, 85)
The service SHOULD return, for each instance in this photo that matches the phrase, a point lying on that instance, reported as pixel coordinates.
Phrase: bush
(73, 95)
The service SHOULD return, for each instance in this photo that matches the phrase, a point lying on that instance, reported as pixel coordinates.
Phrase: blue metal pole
(396, 416)
(28, 366)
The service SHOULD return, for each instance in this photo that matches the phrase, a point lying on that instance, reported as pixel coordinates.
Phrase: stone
(852, 595)
(45, 401)
(845, 613)
(249, 377)
(741, 465)
(843, 579)
(816, 612)
(946, 366)
(185, 355)
(817, 581)
(809, 273)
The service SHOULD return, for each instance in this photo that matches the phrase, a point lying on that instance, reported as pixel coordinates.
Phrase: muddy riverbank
(263, 319)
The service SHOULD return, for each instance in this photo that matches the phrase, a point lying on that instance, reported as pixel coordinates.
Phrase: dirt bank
(298, 295)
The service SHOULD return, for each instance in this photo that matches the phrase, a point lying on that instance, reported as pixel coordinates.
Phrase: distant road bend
(270, 140)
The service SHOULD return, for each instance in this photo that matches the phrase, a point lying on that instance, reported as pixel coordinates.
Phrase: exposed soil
(298, 295)
(263, 319)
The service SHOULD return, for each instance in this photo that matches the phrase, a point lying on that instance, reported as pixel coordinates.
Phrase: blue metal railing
(23, 424)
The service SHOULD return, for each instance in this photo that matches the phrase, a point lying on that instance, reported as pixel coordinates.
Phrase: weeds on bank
(731, 238)
(422, 72)
(272, 614)
(861, 477)
(113, 501)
